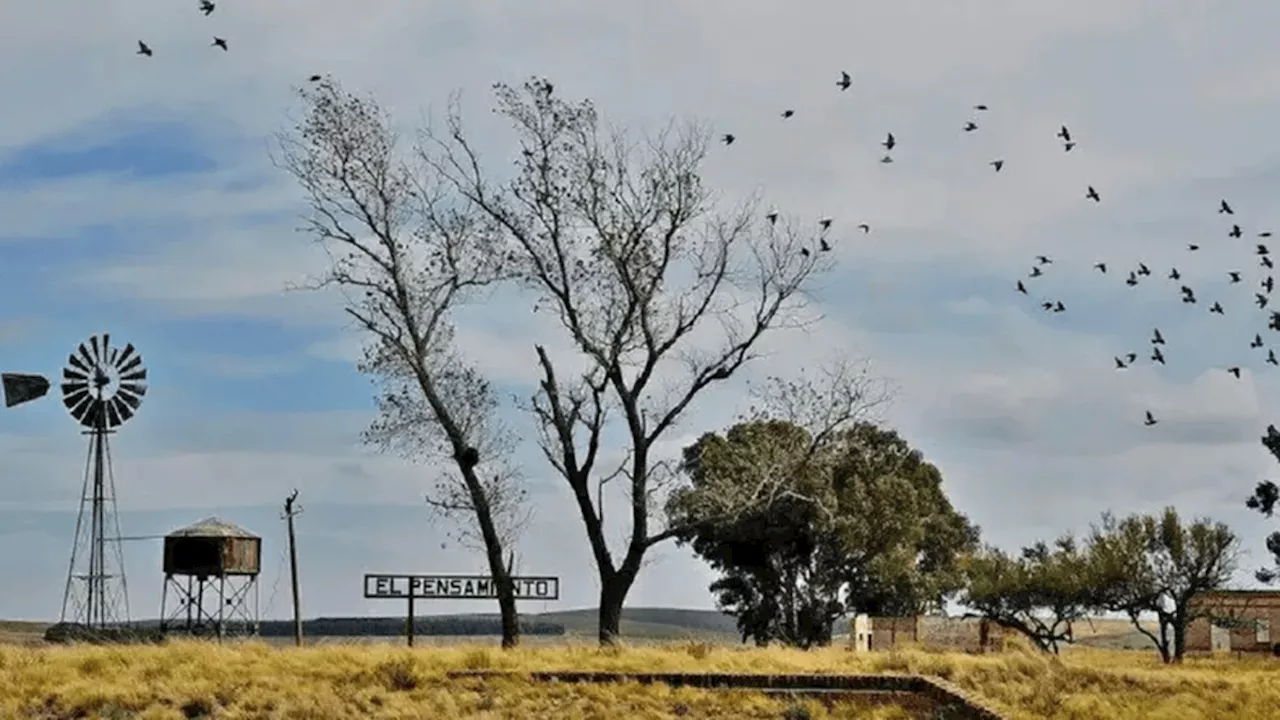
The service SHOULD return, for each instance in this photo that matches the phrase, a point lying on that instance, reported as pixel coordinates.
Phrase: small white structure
(861, 633)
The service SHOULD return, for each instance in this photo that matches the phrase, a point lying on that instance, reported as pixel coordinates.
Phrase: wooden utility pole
(289, 512)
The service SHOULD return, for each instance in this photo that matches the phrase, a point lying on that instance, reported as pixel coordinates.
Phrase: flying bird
(825, 223)
(1065, 134)
(1120, 364)
(1265, 233)
(1193, 248)
(787, 113)
(1216, 308)
(1234, 371)
(1224, 208)
(772, 217)
(1044, 260)
(1260, 299)
(889, 142)
(1268, 284)
(970, 126)
(823, 245)
(865, 228)
(1188, 295)
(1235, 231)
(1022, 288)
(1156, 337)
(1132, 280)
(1266, 263)
(728, 138)
(314, 78)
(1092, 194)
(1131, 357)
(981, 108)
(886, 159)
(206, 7)
(144, 49)
(1100, 267)
(1257, 341)
(1143, 269)
(1271, 357)
(1235, 276)
(1035, 271)
(1151, 419)
(1274, 322)
(219, 42)
(1157, 356)
(845, 81)
(1059, 307)
(804, 252)
(997, 164)
(1066, 147)
(1263, 250)
(1047, 305)
(1174, 274)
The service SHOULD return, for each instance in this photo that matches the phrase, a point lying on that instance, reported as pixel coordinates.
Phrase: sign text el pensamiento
(457, 587)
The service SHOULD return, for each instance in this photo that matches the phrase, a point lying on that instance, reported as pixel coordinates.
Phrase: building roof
(213, 527)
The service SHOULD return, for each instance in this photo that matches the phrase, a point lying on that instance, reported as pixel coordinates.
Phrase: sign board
(456, 587)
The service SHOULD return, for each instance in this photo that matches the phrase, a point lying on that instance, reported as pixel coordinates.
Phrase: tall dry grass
(253, 680)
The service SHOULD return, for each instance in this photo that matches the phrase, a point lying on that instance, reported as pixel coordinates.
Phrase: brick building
(1251, 622)
(928, 631)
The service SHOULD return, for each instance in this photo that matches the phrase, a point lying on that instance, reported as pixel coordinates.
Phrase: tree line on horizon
(808, 507)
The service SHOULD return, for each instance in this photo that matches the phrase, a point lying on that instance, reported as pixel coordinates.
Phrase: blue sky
(145, 203)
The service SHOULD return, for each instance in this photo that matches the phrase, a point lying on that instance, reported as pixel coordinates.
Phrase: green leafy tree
(1264, 499)
(1157, 564)
(1041, 594)
(858, 523)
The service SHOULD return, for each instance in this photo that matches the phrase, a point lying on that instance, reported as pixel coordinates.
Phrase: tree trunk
(1179, 637)
(500, 571)
(613, 593)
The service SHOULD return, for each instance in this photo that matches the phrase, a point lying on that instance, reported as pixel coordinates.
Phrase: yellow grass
(253, 680)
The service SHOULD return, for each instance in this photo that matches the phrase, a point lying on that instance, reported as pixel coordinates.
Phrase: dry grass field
(255, 680)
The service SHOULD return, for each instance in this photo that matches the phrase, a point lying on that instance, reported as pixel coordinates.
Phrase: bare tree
(405, 253)
(664, 292)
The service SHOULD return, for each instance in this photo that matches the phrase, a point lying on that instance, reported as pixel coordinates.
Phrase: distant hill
(653, 623)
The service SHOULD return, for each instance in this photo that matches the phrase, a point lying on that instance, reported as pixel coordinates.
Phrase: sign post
(454, 587)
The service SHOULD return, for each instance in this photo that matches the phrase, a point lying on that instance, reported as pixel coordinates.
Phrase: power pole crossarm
(290, 511)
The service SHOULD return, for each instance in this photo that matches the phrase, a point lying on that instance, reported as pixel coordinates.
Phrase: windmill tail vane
(21, 388)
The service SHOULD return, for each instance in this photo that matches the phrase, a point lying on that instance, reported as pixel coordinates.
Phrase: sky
(139, 197)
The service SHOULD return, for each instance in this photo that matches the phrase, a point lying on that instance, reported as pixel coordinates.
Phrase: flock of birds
(207, 7)
(1188, 295)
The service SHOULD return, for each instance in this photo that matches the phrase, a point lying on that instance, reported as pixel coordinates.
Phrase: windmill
(102, 388)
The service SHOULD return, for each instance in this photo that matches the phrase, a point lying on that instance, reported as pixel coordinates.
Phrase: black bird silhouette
(1193, 248)
(1066, 146)
(1044, 260)
(1260, 299)
(1143, 269)
(1263, 250)
(1047, 305)
(728, 139)
(144, 49)
(1065, 134)
(1257, 341)
(1120, 364)
(980, 107)
(1268, 284)
(825, 223)
(206, 7)
(1100, 267)
(823, 245)
(889, 142)
(787, 113)
(1092, 194)
(1188, 295)
(772, 217)
(219, 42)
(1156, 337)
(1225, 208)
(314, 78)
(970, 126)
(1265, 233)
(1174, 274)
(865, 228)
(1059, 307)
(886, 159)
(1235, 276)
(997, 164)
(1271, 357)
(1234, 371)
(804, 252)
(845, 80)
(1133, 279)
(1151, 419)
(1157, 356)
(1131, 357)
(1035, 271)
(1022, 288)
(1235, 231)
(1216, 308)
(1274, 322)
(1266, 263)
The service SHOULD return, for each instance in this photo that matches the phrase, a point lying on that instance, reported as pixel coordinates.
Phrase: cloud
(146, 202)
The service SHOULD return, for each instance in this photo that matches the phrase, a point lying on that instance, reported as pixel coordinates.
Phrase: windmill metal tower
(102, 387)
